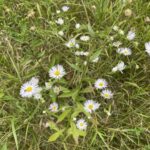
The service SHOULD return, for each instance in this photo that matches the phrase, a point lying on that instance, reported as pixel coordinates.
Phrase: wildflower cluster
(79, 106)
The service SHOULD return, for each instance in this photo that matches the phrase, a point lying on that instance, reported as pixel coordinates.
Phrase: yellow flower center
(106, 95)
(126, 51)
(90, 106)
(101, 84)
(54, 108)
(28, 89)
(57, 73)
(81, 124)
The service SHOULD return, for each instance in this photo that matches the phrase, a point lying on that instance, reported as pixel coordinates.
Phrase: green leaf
(4, 147)
(14, 133)
(74, 66)
(95, 55)
(63, 115)
(55, 136)
(53, 126)
(88, 89)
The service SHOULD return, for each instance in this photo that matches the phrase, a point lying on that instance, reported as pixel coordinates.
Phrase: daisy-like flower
(77, 46)
(125, 51)
(131, 35)
(147, 47)
(65, 8)
(30, 88)
(85, 38)
(77, 26)
(81, 53)
(81, 124)
(57, 72)
(61, 33)
(60, 21)
(119, 67)
(91, 106)
(100, 84)
(53, 107)
(107, 94)
(71, 43)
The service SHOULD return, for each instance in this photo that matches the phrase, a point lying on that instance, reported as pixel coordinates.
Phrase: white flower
(77, 46)
(48, 85)
(121, 32)
(71, 43)
(56, 89)
(60, 21)
(85, 63)
(119, 67)
(61, 33)
(91, 106)
(100, 84)
(74, 119)
(30, 88)
(125, 51)
(77, 26)
(107, 94)
(81, 53)
(147, 47)
(57, 72)
(95, 60)
(85, 38)
(115, 28)
(53, 107)
(131, 35)
(58, 11)
(81, 124)
(38, 96)
(65, 8)
(117, 44)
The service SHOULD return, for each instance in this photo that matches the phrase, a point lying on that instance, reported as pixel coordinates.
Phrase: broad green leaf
(74, 66)
(63, 115)
(53, 126)
(95, 55)
(55, 136)
(88, 89)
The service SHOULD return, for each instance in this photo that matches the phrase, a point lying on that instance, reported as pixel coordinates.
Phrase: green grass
(25, 53)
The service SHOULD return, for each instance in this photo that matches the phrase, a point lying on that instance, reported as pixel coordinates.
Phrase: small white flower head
(111, 38)
(48, 85)
(77, 53)
(71, 43)
(100, 84)
(91, 106)
(63, 108)
(77, 26)
(58, 11)
(95, 60)
(121, 32)
(86, 53)
(131, 35)
(117, 44)
(77, 46)
(125, 51)
(60, 21)
(30, 88)
(57, 72)
(85, 63)
(61, 33)
(85, 38)
(147, 47)
(57, 89)
(65, 8)
(81, 124)
(38, 96)
(74, 119)
(53, 107)
(115, 28)
(107, 94)
(120, 67)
